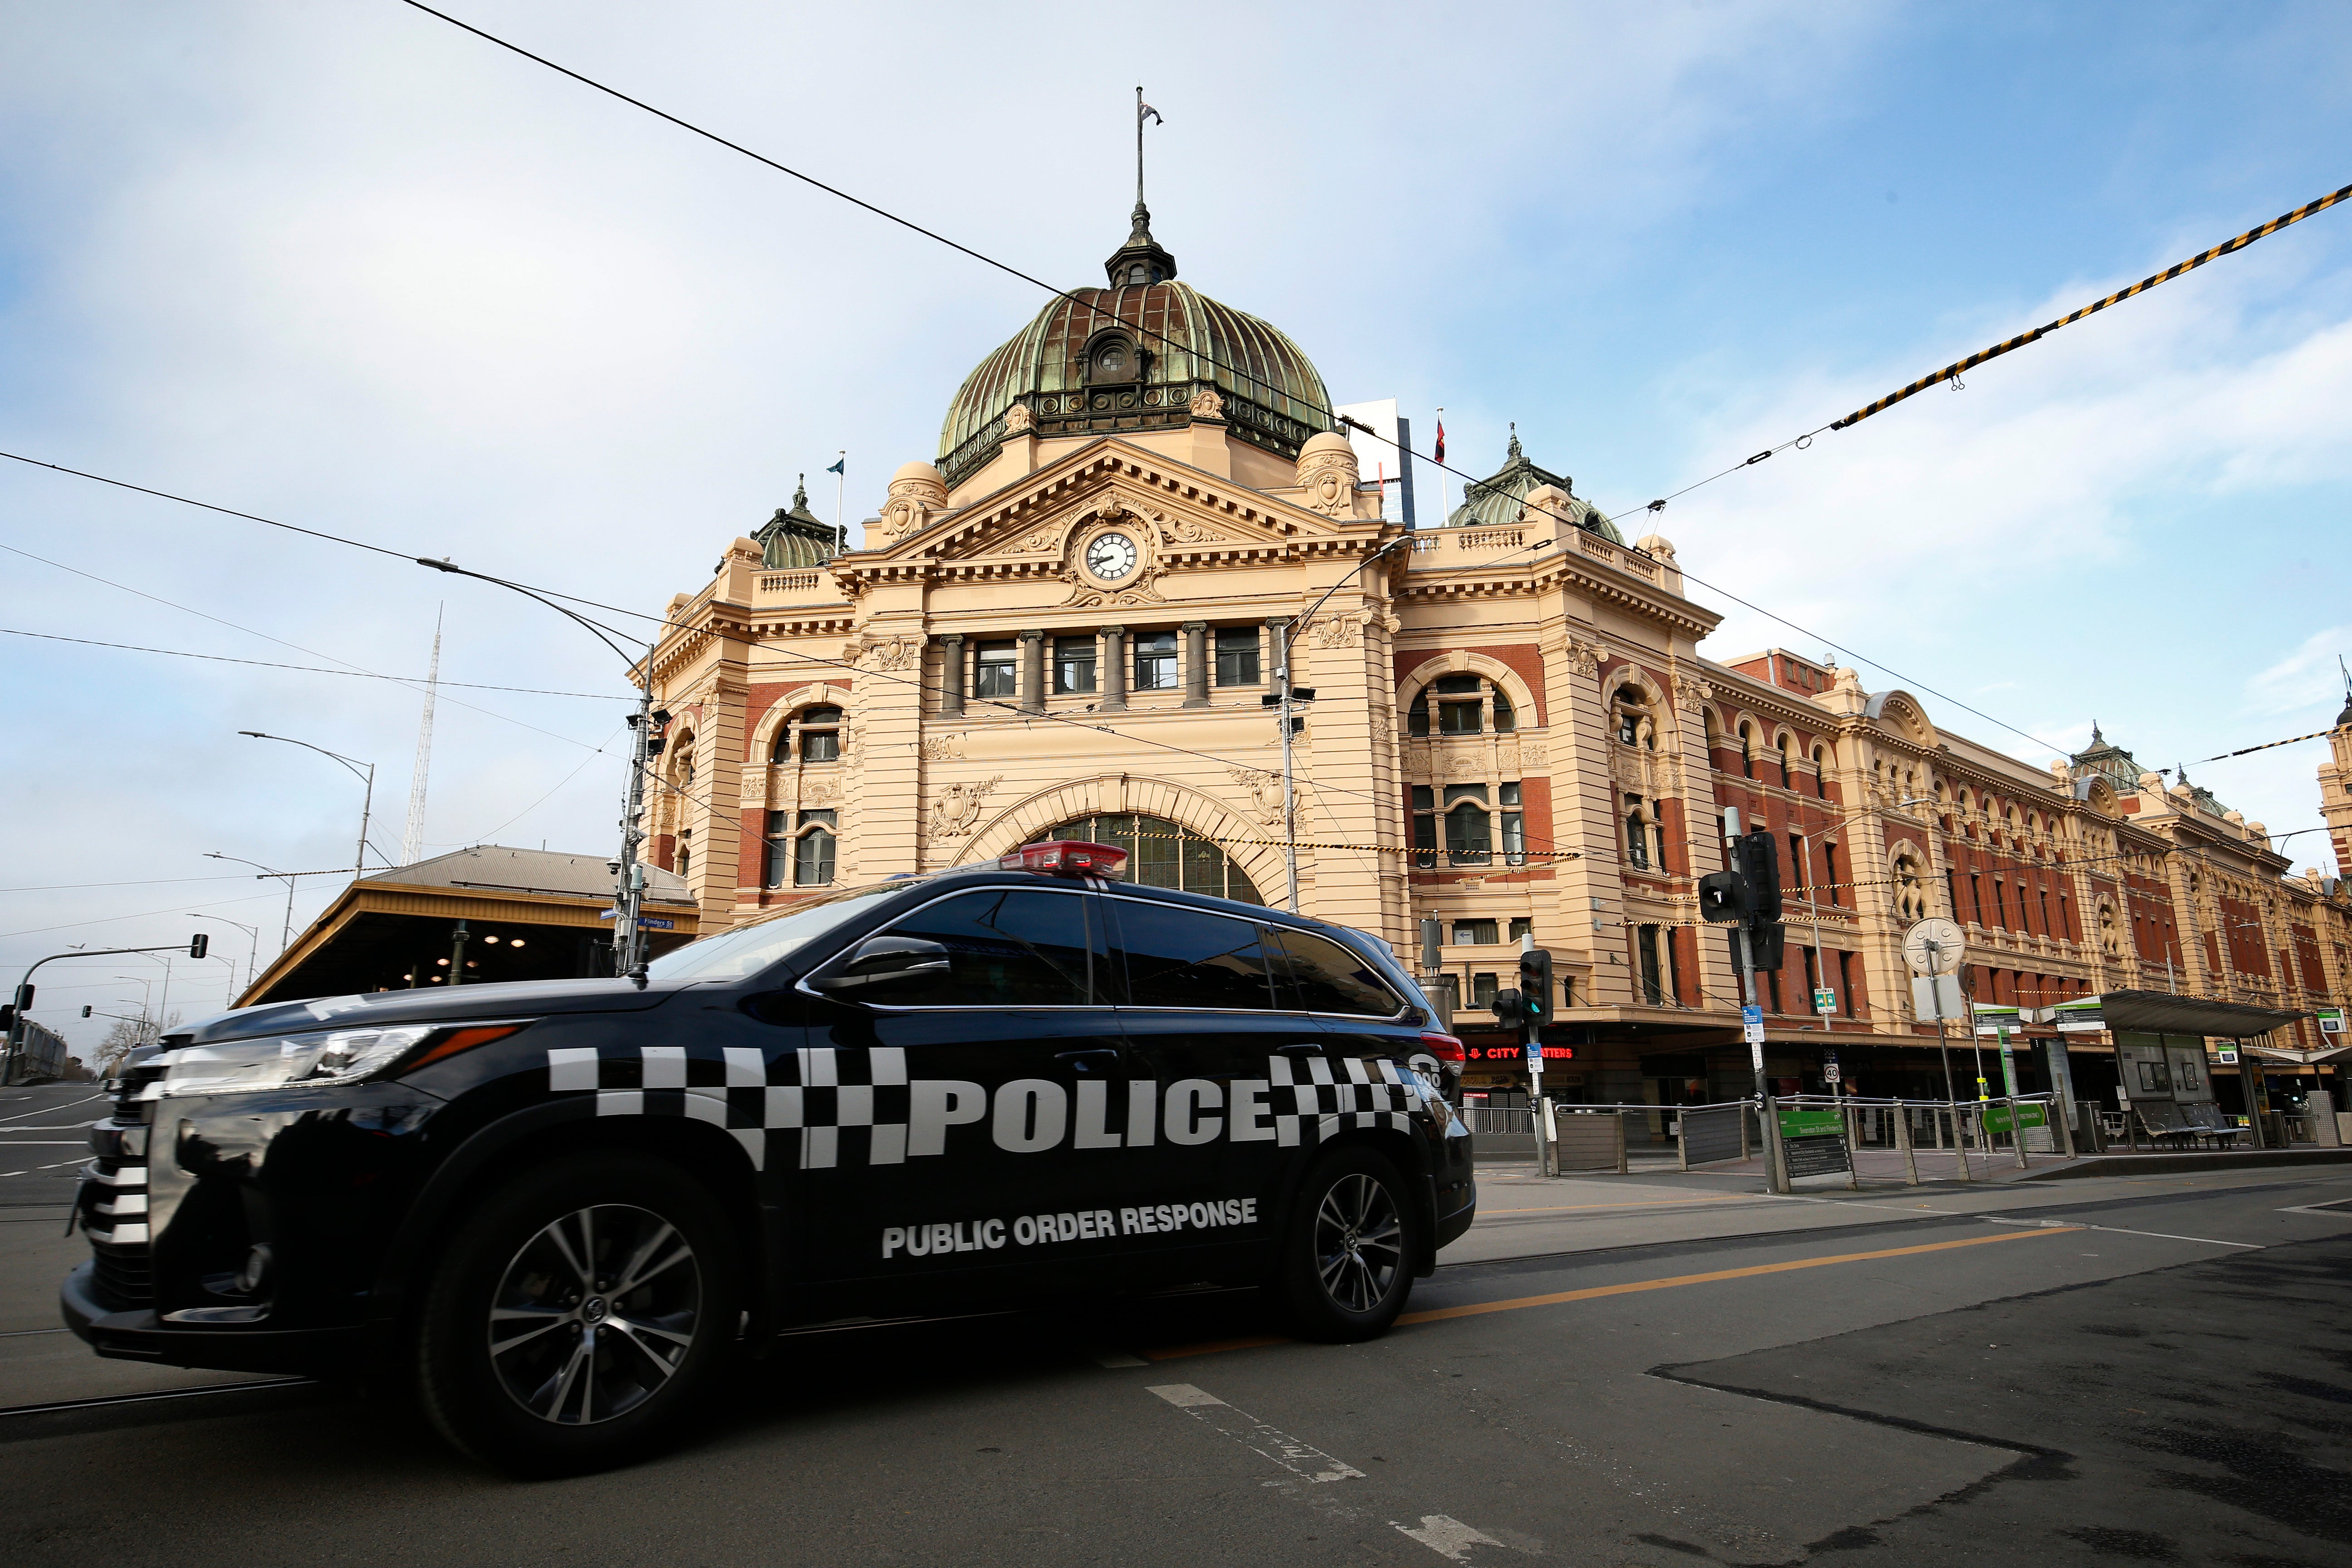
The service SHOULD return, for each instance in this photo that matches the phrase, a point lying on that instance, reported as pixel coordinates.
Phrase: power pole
(628, 896)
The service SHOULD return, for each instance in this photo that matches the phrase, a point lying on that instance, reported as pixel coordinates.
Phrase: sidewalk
(1884, 1167)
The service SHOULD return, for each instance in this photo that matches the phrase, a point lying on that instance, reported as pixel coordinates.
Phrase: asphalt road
(1610, 1370)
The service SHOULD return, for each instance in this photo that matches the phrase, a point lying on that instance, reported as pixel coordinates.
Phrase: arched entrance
(1163, 853)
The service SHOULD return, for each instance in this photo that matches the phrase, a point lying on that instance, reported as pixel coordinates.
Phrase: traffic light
(1510, 1009)
(24, 998)
(1759, 862)
(199, 944)
(1767, 942)
(1722, 897)
(85, 1009)
(1535, 987)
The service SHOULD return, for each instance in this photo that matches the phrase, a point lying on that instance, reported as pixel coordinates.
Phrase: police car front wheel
(578, 1314)
(1346, 1267)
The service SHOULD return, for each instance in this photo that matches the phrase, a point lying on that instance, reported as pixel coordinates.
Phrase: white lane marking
(63, 1127)
(29, 1170)
(2331, 1209)
(1449, 1538)
(1115, 1358)
(2113, 1230)
(1302, 1459)
(47, 1110)
(48, 1142)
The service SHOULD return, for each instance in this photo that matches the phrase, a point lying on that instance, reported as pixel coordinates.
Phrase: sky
(347, 267)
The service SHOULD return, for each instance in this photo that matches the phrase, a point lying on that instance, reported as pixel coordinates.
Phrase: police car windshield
(747, 949)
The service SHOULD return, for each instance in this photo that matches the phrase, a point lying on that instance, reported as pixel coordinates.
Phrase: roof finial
(2096, 739)
(1140, 260)
(799, 494)
(1516, 450)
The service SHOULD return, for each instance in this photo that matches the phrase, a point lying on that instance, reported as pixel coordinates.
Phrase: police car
(559, 1207)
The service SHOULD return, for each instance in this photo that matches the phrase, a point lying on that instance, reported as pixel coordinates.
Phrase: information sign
(1820, 1155)
(1808, 1123)
(1751, 1018)
(2331, 1020)
(1997, 1118)
(1824, 999)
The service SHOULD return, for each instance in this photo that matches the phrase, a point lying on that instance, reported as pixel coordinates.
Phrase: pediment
(1038, 520)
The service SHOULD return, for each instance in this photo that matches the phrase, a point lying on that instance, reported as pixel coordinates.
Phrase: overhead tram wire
(305, 669)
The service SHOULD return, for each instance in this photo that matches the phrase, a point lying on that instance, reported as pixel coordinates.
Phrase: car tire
(1346, 1265)
(578, 1315)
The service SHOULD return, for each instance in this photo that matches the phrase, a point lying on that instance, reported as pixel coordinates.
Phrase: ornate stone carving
(1327, 474)
(1690, 693)
(1533, 753)
(819, 792)
(942, 748)
(1186, 531)
(1383, 725)
(892, 653)
(1207, 405)
(1416, 757)
(1265, 791)
(1019, 421)
(1583, 657)
(958, 807)
(1039, 541)
(915, 499)
(1334, 631)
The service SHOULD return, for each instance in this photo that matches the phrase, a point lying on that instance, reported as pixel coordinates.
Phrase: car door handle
(1094, 1061)
(1315, 1049)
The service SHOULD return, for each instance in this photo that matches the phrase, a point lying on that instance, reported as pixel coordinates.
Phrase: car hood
(527, 998)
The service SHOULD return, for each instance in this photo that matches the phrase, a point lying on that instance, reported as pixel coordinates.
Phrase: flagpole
(840, 491)
(1439, 460)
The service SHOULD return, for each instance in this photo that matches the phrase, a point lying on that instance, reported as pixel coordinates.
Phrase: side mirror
(883, 958)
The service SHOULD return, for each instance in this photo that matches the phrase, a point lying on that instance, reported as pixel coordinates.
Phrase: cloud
(2309, 677)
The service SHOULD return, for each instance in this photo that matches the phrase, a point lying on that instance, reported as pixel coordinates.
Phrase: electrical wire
(307, 669)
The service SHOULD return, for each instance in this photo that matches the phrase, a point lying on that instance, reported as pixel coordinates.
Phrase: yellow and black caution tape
(2224, 248)
(2266, 745)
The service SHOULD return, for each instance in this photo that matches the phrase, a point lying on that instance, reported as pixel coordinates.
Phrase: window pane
(1006, 948)
(1074, 664)
(1465, 835)
(1482, 991)
(1423, 798)
(1454, 793)
(772, 872)
(998, 674)
(813, 866)
(1508, 794)
(1417, 717)
(1157, 862)
(1457, 683)
(1322, 976)
(1521, 927)
(1506, 720)
(1515, 844)
(1185, 958)
(824, 818)
(1238, 656)
(1457, 718)
(1155, 661)
(820, 745)
(821, 716)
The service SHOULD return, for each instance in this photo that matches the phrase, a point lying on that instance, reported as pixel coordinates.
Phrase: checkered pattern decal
(809, 1109)
(827, 1107)
(1361, 1095)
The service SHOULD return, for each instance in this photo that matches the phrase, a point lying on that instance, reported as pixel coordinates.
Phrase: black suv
(558, 1205)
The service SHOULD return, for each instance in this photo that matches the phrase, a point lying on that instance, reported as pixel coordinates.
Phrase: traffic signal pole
(22, 1002)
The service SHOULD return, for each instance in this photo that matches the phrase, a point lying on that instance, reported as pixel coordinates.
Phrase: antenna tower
(412, 843)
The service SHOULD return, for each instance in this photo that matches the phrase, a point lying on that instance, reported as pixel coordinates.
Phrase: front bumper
(141, 1335)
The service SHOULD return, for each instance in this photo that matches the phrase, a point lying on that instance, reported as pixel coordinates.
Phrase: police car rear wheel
(578, 1315)
(1345, 1270)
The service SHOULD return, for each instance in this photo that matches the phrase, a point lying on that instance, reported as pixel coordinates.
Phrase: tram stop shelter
(471, 917)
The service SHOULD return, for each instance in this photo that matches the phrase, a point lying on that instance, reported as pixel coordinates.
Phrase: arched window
(801, 849)
(1464, 703)
(1469, 837)
(1637, 833)
(1163, 853)
(683, 860)
(1747, 749)
(1820, 773)
(1784, 762)
(814, 733)
(1633, 725)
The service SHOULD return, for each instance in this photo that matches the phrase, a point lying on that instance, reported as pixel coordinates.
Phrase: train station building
(1066, 621)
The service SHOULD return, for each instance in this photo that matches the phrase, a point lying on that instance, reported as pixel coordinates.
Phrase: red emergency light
(1067, 858)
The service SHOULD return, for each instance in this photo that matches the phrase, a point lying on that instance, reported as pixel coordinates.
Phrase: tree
(128, 1035)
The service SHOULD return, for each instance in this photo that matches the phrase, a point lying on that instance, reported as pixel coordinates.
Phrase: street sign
(1751, 1019)
(1935, 996)
(1829, 1072)
(2331, 1020)
(2081, 1015)
(1997, 1118)
(1949, 942)
(1824, 999)
(644, 923)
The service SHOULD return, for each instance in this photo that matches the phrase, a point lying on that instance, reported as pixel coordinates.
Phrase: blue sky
(347, 267)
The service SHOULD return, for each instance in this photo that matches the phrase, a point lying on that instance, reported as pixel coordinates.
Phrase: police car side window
(1186, 958)
(1007, 947)
(1322, 976)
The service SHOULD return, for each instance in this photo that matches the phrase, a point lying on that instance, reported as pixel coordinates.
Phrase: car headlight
(319, 1057)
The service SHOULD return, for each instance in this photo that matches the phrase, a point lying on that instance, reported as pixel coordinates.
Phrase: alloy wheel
(1359, 1242)
(594, 1314)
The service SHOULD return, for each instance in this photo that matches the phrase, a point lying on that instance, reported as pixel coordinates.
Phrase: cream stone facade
(1074, 616)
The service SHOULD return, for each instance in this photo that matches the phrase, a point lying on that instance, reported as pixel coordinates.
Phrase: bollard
(1682, 1144)
(1853, 1155)
(1620, 1118)
(2017, 1134)
(2065, 1114)
(1960, 1142)
(1902, 1141)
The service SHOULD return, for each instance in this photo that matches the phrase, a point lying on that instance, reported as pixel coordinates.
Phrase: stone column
(952, 676)
(1114, 671)
(1033, 672)
(1196, 664)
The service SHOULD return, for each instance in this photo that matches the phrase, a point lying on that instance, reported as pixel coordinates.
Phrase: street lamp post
(252, 939)
(286, 940)
(367, 777)
(1282, 704)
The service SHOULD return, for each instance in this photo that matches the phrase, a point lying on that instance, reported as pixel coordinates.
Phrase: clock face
(1111, 557)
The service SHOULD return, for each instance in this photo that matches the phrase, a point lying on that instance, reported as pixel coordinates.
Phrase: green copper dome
(1494, 501)
(795, 537)
(1135, 356)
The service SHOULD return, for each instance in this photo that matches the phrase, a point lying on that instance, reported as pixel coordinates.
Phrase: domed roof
(1136, 356)
(796, 538)
(1495, 501)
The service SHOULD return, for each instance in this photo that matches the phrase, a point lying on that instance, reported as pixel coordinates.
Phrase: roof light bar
(1067, 858)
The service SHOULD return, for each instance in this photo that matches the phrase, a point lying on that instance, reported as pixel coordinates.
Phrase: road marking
(48, 1142)
(2331, 1209)
(1596, 1292)
(1302, 1459)
(47, 1110)
(1448, 1537)
(2113, 1230)
(31, 1169)
(1651, 1204)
